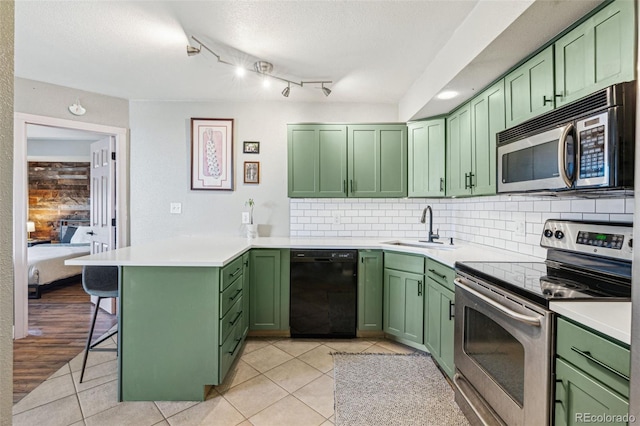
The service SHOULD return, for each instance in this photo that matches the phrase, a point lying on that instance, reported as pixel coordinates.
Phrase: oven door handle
(562, 155)
(461, 384)
(534, 321)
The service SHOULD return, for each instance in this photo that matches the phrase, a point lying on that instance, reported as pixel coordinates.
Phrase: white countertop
(218, 251)
(610, 318)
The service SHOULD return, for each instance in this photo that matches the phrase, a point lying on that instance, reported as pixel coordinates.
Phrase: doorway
(23, 125)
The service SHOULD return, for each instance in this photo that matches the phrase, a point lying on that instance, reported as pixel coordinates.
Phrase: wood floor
(58, 326)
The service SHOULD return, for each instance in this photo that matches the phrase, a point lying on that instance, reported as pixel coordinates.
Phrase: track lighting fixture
(326, 90)
(263, 68)
(192, 51)
(286, 90)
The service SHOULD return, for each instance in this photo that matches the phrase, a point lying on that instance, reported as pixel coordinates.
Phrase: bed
(46, 261)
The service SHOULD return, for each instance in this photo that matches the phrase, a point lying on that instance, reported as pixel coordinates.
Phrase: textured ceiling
(373, 51)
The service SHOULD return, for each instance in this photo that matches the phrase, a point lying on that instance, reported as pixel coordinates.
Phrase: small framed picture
(251, 172)
(251, 147)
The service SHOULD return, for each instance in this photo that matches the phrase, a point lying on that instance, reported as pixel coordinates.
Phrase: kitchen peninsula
(187, 303)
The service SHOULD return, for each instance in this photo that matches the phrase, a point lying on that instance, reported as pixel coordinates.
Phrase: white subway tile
(317, 220)
(533, 217)
(542, 206)
(357, 220)
(371, 220)
(583, 206)
(629, 205)
(596, 216)
(561, 206)
(324, 227)
(610, 206)
(621, 217)
(571, 216)
(525, 206)
(304, 220)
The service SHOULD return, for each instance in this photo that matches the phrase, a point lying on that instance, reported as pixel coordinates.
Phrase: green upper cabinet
(529, 89)
(459, 152)
(597, 53)
(377, 160)
(317, 160)
(370, 271)
(426, 158)
(487, 119)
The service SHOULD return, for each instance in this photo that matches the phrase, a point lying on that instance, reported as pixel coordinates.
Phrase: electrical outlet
(246, 219)
(521, 228)
(336, 218)
(175, 208)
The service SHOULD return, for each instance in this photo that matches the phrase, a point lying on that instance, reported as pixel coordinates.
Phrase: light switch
(246, 218)
(175, 208)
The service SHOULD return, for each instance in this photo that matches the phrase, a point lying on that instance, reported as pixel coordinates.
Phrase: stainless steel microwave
(586, 145)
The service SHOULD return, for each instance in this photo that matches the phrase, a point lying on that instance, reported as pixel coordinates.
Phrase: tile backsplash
(511, 222)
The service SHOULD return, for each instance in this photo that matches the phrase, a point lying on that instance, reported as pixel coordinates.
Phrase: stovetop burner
(573, 269)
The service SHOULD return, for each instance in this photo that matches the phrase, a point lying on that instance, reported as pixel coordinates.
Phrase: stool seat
(100, 281)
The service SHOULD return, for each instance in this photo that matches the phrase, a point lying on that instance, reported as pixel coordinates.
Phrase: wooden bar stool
(100, 281)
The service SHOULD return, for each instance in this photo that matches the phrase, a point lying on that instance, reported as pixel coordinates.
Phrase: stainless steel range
(504, 330)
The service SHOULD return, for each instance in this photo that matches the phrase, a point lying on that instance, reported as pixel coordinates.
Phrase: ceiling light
(447, 94)
(192, 51)
(326, 90)
(260, 67)
(286, 90)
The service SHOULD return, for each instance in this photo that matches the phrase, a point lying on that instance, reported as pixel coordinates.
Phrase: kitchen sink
(422, 244)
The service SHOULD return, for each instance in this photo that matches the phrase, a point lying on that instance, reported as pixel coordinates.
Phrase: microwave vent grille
(557, 117)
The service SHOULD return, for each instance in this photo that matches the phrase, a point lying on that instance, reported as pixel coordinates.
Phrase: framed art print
(251, 147)
(212, 153)
(251, 172)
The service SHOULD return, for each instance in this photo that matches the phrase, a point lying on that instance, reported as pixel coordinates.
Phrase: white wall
(160, 164)
(509, 222)
(6, 211)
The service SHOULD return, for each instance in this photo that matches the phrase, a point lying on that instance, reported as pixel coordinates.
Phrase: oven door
(503, 350)
(543, 161)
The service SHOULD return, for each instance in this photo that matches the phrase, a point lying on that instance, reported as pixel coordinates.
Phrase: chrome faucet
(423, 219)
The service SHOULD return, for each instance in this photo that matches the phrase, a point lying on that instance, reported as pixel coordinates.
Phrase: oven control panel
(596, 238)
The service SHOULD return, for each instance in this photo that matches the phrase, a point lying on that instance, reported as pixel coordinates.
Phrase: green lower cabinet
(169, 333)
(370, 269)
(269, 289)
(404, 305)
(581, 399)
(439, 324)
(246, 278)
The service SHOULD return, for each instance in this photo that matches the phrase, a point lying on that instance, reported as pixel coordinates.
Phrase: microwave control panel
(593, 164)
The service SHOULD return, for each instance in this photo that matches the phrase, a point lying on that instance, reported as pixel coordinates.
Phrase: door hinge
(113, 156)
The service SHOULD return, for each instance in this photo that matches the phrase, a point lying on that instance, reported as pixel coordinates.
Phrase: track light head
(326, 90)
(192, 51)
(286, 90)
(263, 67)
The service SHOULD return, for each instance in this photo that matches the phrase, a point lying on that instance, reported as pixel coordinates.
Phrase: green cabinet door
(370, 290)
(426, 158)
(317, 160)
(529, 89)
(439, 324)
(404, 305)
(597, 53)
(487, 119)
(459, 152)
(377, 160)
(578, 395)
(265, 289)
(246, 283)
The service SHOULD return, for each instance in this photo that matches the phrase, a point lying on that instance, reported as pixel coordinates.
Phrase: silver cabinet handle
(441, 184)
(420, 288)
(433, 271)
(590, 357)
(451, 306)
(534, 321)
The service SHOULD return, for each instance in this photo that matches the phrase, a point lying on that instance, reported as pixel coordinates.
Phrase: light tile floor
(275, 382)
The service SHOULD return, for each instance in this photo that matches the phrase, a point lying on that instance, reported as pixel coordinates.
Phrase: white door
(103, 209)
(103, 194)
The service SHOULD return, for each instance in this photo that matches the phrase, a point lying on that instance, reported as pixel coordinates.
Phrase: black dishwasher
(323, 293)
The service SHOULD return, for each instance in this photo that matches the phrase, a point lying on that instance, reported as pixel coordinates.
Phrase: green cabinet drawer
(230, 348)
(230, 295)
(231, 319)
(404, 262)
(441, 274)
(230, 273)
(603, 359)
